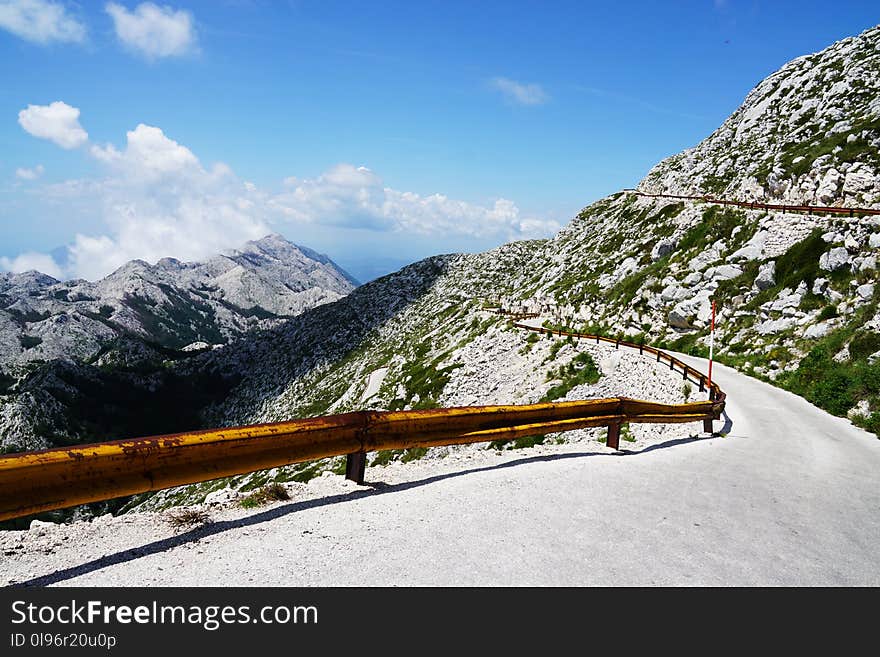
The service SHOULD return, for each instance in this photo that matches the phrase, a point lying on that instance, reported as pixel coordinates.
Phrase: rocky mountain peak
(807, 134)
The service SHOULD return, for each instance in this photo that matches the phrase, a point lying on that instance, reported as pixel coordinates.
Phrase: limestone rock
(766, 277)
(836, 258)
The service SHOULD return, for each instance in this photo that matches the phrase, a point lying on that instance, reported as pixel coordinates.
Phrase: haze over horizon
(375, 134)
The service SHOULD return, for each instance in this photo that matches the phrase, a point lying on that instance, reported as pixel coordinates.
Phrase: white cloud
(58, 122)
(29, 174)
(154, 31)
(40, 21)
(356, 198)
(522, 94)
(158, 200)
(30, 260)
(148, 153)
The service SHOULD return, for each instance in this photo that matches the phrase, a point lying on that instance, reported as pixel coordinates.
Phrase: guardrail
(755, 205)
(33, 482)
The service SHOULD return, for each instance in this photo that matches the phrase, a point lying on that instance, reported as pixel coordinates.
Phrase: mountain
(142, 314)
(797, 303)
(807, 134)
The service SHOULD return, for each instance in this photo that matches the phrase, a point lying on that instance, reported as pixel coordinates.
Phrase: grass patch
(29, 341)
(579, 371)
(386, 456)
(273, 492)
(182, 518)
(518, 443)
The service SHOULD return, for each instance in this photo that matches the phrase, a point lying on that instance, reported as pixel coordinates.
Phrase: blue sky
(378, 133)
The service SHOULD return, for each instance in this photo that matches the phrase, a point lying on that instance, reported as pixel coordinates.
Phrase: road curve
(789, 496)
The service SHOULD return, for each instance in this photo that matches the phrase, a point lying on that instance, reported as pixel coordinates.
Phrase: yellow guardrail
(33, 482)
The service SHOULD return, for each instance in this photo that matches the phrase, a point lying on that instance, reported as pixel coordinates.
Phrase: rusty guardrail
(50, 479)
(755, 205)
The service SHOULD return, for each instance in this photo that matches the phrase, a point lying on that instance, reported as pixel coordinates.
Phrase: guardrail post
(707, 423)
(671, 363)
(613, 440)
(617, 343)
(702, 384)
(641, 349)
(685, 373)
(658, 355)
(355, 465)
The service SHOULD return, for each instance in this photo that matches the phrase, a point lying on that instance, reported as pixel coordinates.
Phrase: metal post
(617, 344)
(707, 423)
(613, 440)
(685, 372)
(658, 355)
(355, 465)
(641, 349)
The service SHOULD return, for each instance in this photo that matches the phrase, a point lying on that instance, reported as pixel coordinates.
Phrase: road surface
(789, 496)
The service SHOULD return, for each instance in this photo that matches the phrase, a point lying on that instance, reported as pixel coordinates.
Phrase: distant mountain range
(143, 312)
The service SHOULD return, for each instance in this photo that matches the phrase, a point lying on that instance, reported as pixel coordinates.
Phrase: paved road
(789, 497)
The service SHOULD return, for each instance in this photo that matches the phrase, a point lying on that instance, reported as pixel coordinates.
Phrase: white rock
(857, 181)
(676, 319)
(836, 258)
(874, 240)
(789, 301)
(850, 243)
(662, 248)
(723, 272)
(866, 291)
(819, 330)
(693, 278)
(766, 277)
(40, 526)
(196, 346)
(610, 363)
(751, 250)
(772, 326)
(861, 409)
(222, 496)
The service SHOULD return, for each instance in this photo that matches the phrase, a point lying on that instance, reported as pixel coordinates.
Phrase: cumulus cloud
(29, 174)
(58, 122)
(355, 197)
(40, 21)
(157, 200)
(31, 261)
(154, 31)
(148, 153)
(522, 94)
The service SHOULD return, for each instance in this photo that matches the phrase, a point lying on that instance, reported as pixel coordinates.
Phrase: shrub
(863, 344)
(187, 518)
(827, 313)
(273, 492)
